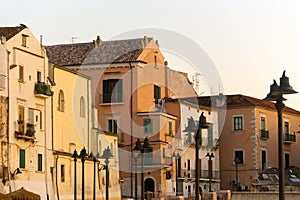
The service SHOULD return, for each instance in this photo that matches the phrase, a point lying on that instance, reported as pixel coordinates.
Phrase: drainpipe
(8, 121)
(88, 114)
(56, 181)
(131, 137)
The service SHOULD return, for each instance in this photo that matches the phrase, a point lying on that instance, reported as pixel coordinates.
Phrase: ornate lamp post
(236, 162)
(176, 156)
(107, 155)
(141, 148)
(75, 156)
(275, 94)
(83, 156)
(210, 156)
(197, 134)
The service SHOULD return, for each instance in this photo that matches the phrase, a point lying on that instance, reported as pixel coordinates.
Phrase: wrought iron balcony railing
(42, 90)
(289, 138)
(264, 134)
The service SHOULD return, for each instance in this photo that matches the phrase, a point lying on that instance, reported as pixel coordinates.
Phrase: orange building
(130, 80)
(249, 138)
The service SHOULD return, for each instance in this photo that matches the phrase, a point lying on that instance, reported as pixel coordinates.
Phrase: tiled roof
(9, 32)
(115, 51)
(238, 100)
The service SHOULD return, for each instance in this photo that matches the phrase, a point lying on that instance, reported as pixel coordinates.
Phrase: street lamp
(197, 134)
(176, 156)
(135, 178)
(107, 155)
(236, 162)
(75, 156)
(210, 156)
(141, 148)
(83, 156)
(275, 94)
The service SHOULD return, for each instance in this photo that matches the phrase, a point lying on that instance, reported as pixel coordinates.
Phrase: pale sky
(250, 42)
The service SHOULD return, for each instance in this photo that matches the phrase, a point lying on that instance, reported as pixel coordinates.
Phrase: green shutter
(40, 162)
(120, 90)
(263, 159)
(210, 136)
(22, 158)
(147, 126)
(170, 128)
(106, 95)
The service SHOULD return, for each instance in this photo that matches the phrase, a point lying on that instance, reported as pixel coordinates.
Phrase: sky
(249, 42)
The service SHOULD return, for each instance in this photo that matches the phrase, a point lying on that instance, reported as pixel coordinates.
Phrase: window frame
(241, 162)
(237, 125)
(21, 74)
(22, 158)
(61, 101)
(148, 126)
(113, 125)
(40, 162)
(112, 90)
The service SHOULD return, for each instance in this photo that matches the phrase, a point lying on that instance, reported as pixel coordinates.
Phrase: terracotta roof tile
(115, 51)
(9, 32)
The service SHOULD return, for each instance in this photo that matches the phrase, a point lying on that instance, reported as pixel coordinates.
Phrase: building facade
(249, 142)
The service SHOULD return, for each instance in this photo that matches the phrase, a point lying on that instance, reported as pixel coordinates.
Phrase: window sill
(111, 104)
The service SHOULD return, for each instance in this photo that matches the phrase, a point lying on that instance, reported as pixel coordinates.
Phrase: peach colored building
(130, 80)
(250, 134)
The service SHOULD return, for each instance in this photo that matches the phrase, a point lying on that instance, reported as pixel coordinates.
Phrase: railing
(289, 138)
(28, 135)
(264, 134)
(184, 173)
(42, 89)
(115, 97)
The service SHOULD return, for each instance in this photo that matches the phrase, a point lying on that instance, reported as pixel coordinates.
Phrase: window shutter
(40, 162)
(22, 158)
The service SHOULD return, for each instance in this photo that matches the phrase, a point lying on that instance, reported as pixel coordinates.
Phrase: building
(130, 80)
(185, 146)
(75, 128)
(249, 141)
(28, 153)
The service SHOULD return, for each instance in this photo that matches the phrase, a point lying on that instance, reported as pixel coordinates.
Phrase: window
(239, 157)
(156, 92)
(22, 158)
(286, 160)
(21, 73)
(61, 101)
(24, 40)
(20, 120)
(179, 166)
(112, 91)
(113, 126)
(170, 128)
(263, 160)
(238, 123)
(147, 126)
(40, 162)
(148, 156)
(168, 175)
(155, 61)
(82, 107)
(39, 77)
(62, 173)
(189, 164)
(263, 123)
(286, 127)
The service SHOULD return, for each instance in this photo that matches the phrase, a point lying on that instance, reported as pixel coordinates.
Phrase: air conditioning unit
(234, 182)
(247, 188)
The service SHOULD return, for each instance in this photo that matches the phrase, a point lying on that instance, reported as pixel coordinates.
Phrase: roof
(22, 194)
(236, 100)
(115, 51)
(9, 32)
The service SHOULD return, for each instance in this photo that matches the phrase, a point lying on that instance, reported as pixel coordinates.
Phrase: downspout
(8, 121)
(45, 122)
(166, 79)
(131, 129)
(56, 181)
(88, 115)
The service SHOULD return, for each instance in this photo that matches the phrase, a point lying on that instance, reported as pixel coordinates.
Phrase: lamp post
(176, 156)
(275, 94)
(141, 148)
(83, 156)
(135, 178)
(107, 155)
(210, 156)
(197, 134)
(236, 162)
(75, 156)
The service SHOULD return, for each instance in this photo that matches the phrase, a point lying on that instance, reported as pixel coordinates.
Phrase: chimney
(3, 39)
(146, 40)
(157, 43)
(166, 79)
(143, 44)
(95, 44)
(99, 41)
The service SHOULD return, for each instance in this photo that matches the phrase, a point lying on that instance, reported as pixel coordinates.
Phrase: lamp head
(284, 87)
(202, 121)
(138, 145)
(107, 153)
(147, 144)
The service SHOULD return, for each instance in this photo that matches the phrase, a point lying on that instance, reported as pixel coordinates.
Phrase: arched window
(82, 107)
(61, 101)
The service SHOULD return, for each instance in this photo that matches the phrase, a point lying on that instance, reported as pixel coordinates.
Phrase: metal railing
(289, 138)
(264, 134)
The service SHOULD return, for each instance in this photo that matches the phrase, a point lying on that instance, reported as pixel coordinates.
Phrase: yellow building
(75, 129)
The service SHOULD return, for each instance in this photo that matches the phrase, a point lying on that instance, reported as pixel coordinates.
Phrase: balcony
(28, 135)
(289, 138)
(203, 174)
(42, 90)
(264, 134)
